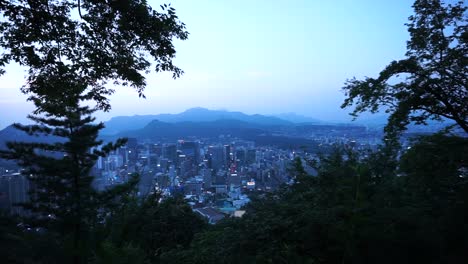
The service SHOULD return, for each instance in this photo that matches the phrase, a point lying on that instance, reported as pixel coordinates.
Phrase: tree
(350, 214)
(436, 186)
(72, 49)
(431, 82)
(154, 226)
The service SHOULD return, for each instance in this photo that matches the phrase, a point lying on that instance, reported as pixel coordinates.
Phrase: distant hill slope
(125, 123)
(10, 133)
(296, 118)
(157, 130)
(379, 121)
(291, 136)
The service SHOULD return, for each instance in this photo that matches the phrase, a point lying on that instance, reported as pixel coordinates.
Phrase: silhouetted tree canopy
(432, 81)
(351, 214)
(92, 42)
(72, 49)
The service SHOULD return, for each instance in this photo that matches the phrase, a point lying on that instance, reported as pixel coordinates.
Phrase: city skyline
(248, 157)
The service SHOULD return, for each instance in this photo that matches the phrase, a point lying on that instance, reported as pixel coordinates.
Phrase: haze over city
(264, 57)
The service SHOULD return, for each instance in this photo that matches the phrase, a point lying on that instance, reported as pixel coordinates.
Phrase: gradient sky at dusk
(262, 56)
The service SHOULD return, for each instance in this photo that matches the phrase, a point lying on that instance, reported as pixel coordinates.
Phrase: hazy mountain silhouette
(296, 118)
(157, 130)
(263, 130)
(10, 133)
(378, 122)
(198, 114)
(262, 135)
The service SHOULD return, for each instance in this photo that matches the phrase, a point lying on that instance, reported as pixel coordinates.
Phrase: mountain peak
(296, 118)
(196, 114)
(196, 109)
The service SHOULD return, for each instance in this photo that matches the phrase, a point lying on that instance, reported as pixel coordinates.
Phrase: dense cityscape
(215, 175)
(346, 140)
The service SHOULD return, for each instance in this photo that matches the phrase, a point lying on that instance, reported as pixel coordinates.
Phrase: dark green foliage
(307, 222)
(437, 187)
(126, 253)
(152, 226)
(431, 83)
(62, 201)
(296, 170)
(72, 49)
(20, 243)
(351, 213)
(107, 41)
(12, 244)
(435, 159)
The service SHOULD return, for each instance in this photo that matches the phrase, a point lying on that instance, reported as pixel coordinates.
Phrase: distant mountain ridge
(291, 136)
(263, 134)
(157, 130)
(11, 134)
(198, 114)
(296, 118)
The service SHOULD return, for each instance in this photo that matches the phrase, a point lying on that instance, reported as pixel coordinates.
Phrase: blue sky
(259, 56)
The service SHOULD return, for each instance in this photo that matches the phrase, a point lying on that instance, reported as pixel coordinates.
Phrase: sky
(262, 56)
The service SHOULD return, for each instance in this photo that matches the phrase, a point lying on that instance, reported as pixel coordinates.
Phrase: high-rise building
(190, 149)
(216, 156)
(113, 162)
(228, 157)
(169, 152)
(156, 150)
(207, 177)
(163, 164)
(172, 175)
(234, 179)
(132, 143)
(241, 156)
(186, 166)
(251, 156)
(14, 189)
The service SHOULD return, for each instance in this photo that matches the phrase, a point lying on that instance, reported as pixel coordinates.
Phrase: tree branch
(79, 9)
